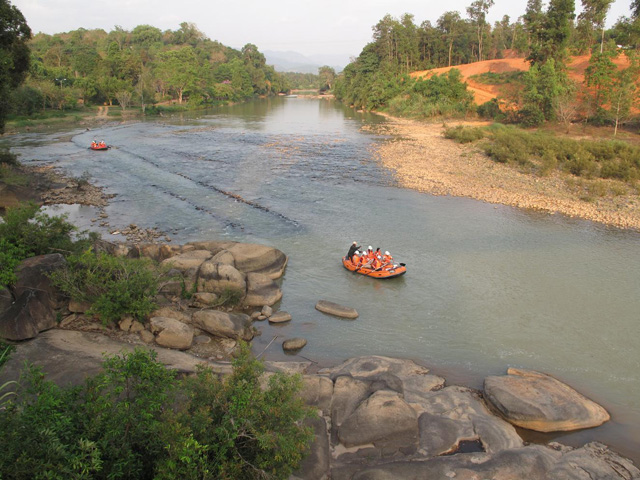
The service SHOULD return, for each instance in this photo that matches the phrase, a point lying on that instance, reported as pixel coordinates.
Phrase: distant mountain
(296, 62)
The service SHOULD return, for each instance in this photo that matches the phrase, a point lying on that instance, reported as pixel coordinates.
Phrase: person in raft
(94, 144)
(352, 250)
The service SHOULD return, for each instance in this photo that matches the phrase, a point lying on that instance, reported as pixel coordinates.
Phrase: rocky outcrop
(33, 274)
(222, 324)
(335, 309)
(6, 299)
(383, 419)
(394, 421)
(215, 277)
(171, 333)
(261, 290)
(539, 402)
(26, 317)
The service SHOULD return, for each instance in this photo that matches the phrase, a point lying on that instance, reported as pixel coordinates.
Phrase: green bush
(7, 158)
(27, 232)
(251, 432)
(462, 134)
(137, 420)
(114, 286)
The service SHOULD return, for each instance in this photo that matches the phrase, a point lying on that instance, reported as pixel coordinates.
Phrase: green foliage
(251, 432)
(7, 158)
(137, 420)
(544, 153)
(462, 134)
(27, 232)
(114, 286)
(14, 54)
(492, 78)
(229, 297)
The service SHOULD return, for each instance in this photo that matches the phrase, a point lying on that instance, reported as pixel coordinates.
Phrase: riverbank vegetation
(542, 152)
(139, 420)
(142, 68)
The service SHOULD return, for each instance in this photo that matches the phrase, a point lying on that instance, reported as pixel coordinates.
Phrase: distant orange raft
(387, 271)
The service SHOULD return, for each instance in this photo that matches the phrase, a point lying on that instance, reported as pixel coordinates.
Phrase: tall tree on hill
(14, 54)
(592, 17)
(450, 23)
(477, 12)
(534, 19)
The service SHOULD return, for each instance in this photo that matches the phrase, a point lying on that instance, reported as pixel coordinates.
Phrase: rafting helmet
(387, 253)
(370, 248)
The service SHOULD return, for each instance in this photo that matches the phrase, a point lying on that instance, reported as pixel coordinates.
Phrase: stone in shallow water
(293, 344)
(335, 309)
(539, 402)
(280, 317)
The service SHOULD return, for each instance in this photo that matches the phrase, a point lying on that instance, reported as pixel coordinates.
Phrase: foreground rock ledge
(379, 418)
(536, 401)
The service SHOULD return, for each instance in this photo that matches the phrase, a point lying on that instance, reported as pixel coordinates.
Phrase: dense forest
(379, 77)
(144, 66)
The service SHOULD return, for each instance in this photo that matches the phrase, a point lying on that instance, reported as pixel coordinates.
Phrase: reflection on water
(487, 287)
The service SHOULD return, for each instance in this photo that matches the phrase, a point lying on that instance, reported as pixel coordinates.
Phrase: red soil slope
(483, 93)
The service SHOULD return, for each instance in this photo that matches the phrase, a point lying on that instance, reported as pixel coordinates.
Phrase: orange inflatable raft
(387, 271)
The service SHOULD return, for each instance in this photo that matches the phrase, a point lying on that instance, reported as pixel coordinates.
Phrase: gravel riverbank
(424, 160)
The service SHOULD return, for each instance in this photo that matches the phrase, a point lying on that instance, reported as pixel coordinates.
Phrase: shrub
(7, 158)
(251, 432)
(462, 134)
(27, 232)
(137, 420)
(230, 297)
(114, 286)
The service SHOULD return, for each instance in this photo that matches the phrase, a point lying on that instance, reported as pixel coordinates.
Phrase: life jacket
(355, 259)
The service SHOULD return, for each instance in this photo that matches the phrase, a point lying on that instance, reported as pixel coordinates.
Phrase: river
(487, 287)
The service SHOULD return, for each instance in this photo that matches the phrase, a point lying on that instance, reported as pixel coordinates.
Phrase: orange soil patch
(483, 93)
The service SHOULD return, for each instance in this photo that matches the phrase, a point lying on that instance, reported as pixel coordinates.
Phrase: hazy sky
(329, 26)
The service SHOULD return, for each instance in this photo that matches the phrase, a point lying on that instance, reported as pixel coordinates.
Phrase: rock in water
(335, 309)
(539, 402)
(280, 317)
(293, 344)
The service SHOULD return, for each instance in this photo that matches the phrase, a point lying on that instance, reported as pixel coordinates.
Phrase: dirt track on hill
(483, 92)
(424, 160)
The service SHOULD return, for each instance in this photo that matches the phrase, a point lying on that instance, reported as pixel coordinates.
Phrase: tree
(477, 12)
(14, 54)
(327, 75)
(450, 23)
(592, 17)
(178, 69)
(599, 76)
(625, 91)
(124, 98)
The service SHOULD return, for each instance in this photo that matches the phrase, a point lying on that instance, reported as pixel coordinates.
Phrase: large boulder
(383, 419)
(171, 333)
(261, 290)
(455, 414)
(317, 391)
(29, 315)
(316, 464)
(222, 324)
(171, 313)
(33, 274)
(216, 277)
(188, 261)
(536, 401)
(348, 394)
(6, 299)
(254, 258)
(375, 365)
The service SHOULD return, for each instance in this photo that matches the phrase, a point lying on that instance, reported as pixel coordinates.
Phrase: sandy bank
(424, 160)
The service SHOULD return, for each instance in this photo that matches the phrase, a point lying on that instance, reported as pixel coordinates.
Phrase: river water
(487, 287)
